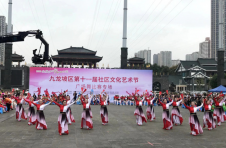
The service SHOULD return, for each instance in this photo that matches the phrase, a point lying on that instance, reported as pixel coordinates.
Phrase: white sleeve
(46, 104)
(199, 106)
(35, 101)
(152, 100)
(89, 100)
(70, 104)
(143, 99)
(22, 101)
(178, 103)
(170, 103)
(71, 99)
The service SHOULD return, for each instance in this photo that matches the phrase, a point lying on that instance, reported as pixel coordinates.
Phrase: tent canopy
(218, 89)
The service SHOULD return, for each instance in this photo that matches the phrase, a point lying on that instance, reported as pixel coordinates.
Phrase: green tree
(199, 82)
(213, 81)
(165, 69)
(172, 70)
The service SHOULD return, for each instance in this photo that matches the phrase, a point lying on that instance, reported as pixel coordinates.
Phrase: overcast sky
(160, 25)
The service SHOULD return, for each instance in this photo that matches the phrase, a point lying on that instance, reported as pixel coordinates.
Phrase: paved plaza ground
(121, 131)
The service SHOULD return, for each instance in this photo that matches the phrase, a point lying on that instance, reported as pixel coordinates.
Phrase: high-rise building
(146, 54)
(149, 56)
(155, 59)
(165, 58)
(215, 27)
(188, 57)
(175, 62)
(3, 31)
(204, 49)
(192, 57)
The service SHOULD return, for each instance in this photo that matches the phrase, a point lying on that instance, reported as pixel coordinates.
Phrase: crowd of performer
(193, 103)
(64, 102)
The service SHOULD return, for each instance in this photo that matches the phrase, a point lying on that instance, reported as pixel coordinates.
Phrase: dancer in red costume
(218, 111)
(62, 118)
(41, 122)
(70, 117)
(103, 108)
(140, 117)
(20, 113)
(176, 116)
(31, 111)
(150, 109)
(193, 119)
(208, 120)
(86, 121)
(166, 117)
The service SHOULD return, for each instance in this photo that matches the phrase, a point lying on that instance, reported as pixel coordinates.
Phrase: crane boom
(37, 59)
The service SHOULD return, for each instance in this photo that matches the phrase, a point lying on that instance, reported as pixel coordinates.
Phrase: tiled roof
(77, 50)
(136, 58)
(72, 56)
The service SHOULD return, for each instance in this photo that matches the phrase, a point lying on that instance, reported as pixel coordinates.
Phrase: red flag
(54, 93)
(66, 90)
(103, 90)
(221, 95)
(182, 96)
(160, 93)
(138, 91)
(209, 94)
(82, 89)
(167, 92)
(23, 92)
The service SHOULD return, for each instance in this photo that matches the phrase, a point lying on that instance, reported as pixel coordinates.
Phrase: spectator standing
(75, 95)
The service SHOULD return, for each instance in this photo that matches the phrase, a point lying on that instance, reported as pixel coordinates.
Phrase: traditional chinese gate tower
(136, 62)
(76, 56)
(17, 58)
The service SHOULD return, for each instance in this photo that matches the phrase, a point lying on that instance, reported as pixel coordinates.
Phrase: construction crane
(37, 58)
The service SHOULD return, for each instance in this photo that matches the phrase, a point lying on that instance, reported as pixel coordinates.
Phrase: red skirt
(20, 113)
(150, 113)
(217, 115)
(86, 120)
(208, 120)
(139, 112)
(167, 122)
(62, 124)
(70, 117)
(177, 118)
(195, 125)
(32, 116)
(41, 122)
(104, 114)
